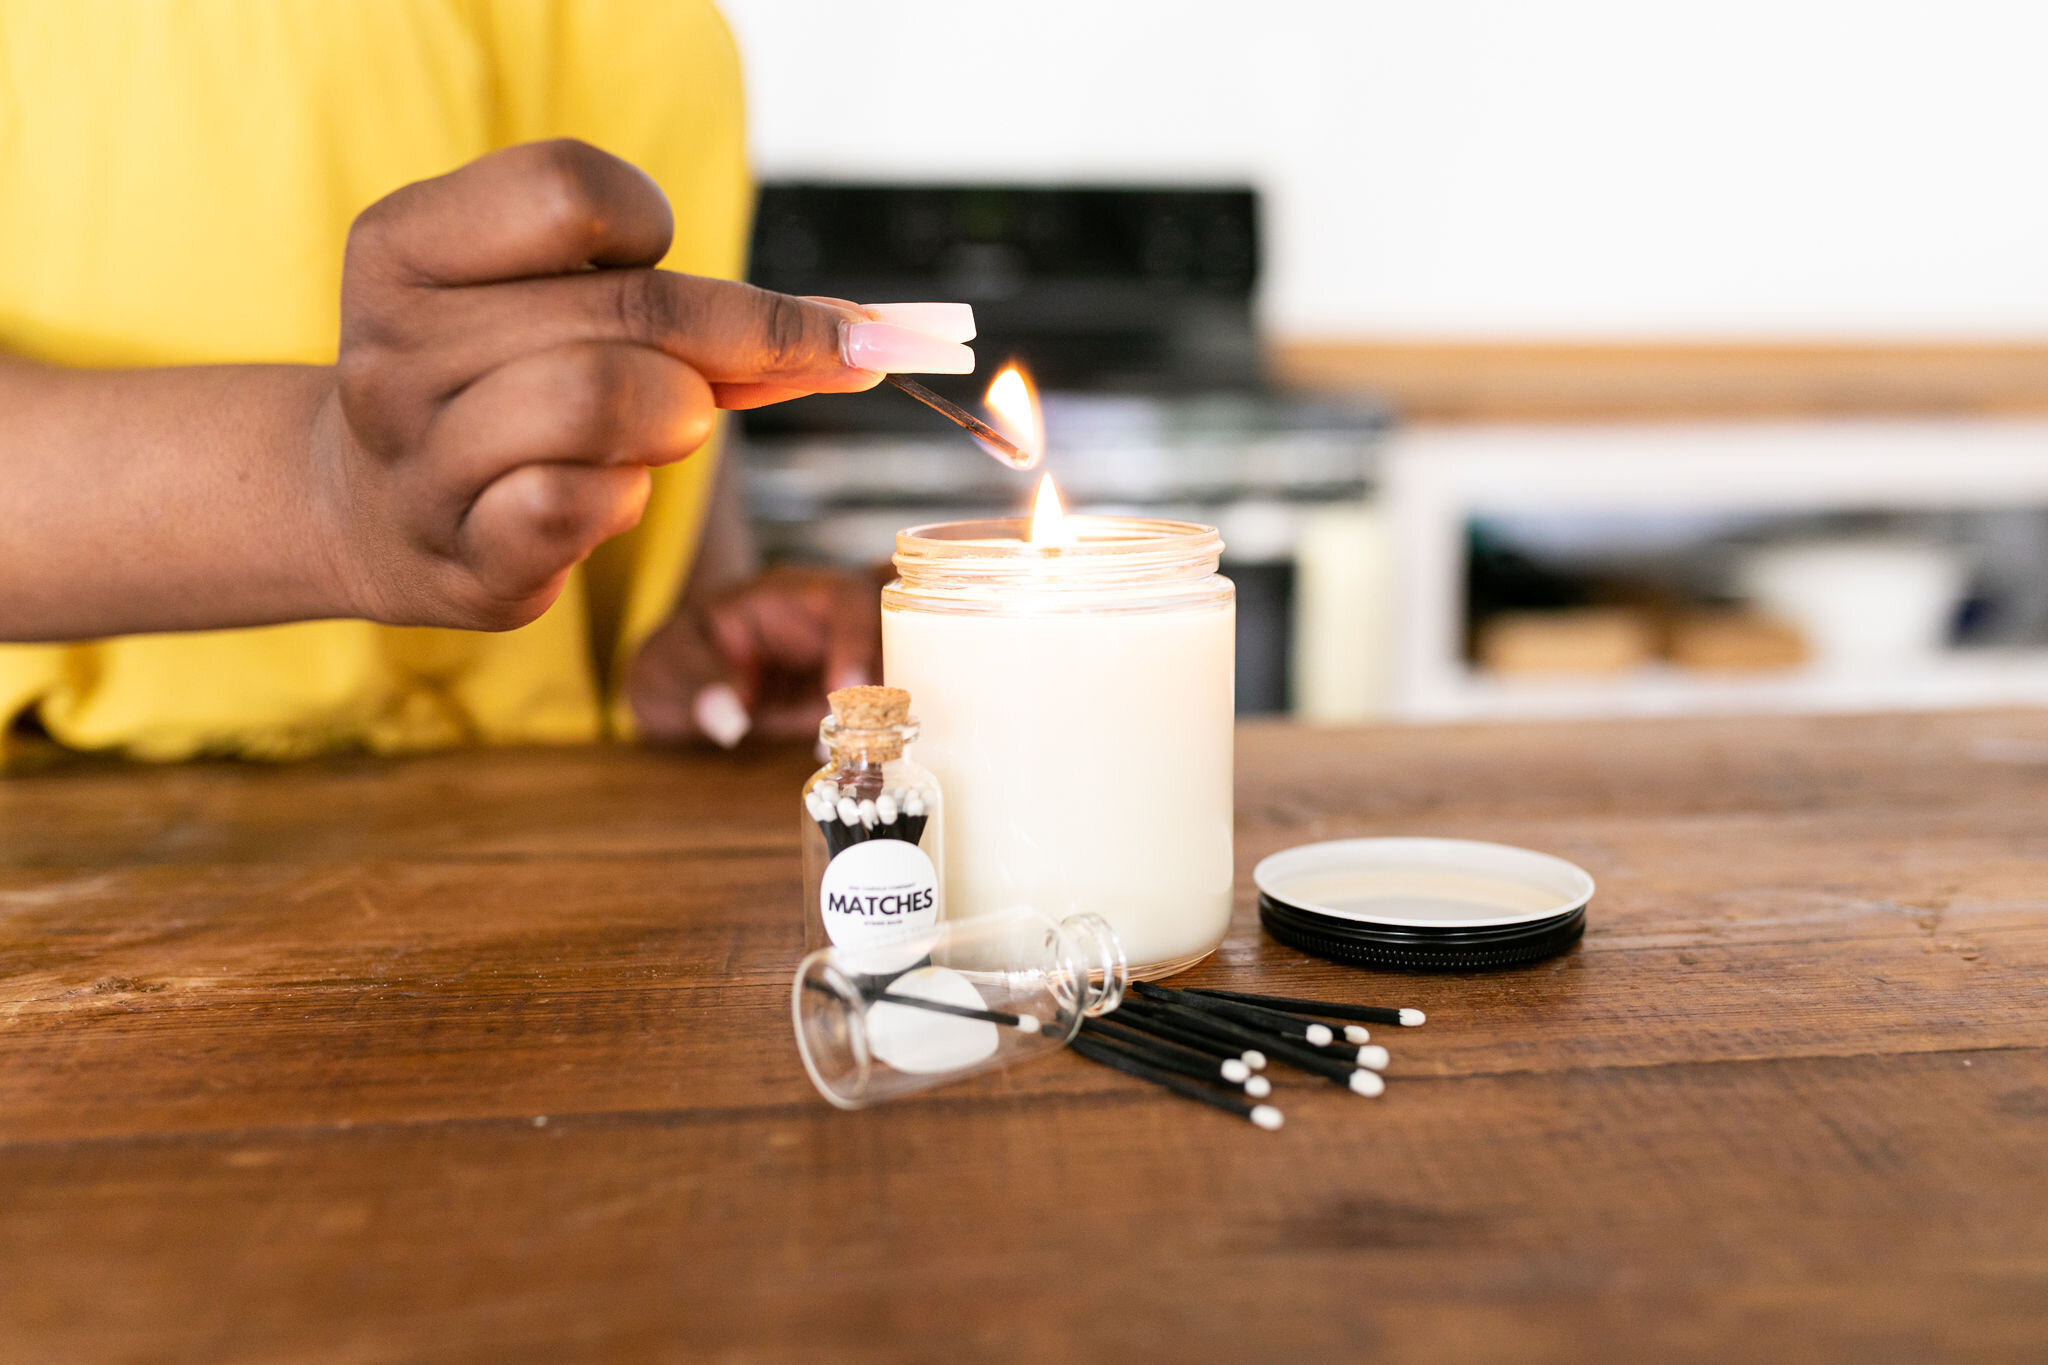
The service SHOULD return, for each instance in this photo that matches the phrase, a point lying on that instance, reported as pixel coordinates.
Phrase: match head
(885, 808)
(1320, 1035)
(1028, 1023)
(1235, 1071)
(1258, 1087)
(1410, 1018)
(1357, 1033)
(849, 811)
(828, 790)
(1254, 1058)
(1368, 1084)
(1374, 1056)
(1266, 1116)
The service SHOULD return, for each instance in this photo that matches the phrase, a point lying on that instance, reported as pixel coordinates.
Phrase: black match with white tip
(1186, 1064)
(1290, 1026)
(1328, 1009)
(1023, 1023)
(861, 808)
(1262, 1115)
(1164, 1027)
(1358, 1080)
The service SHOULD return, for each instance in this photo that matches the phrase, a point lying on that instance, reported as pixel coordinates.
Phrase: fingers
(541, 208)
(790, 637)
(739, 397)
(678, 688)
(586, 403)
(759, 660)
(528, 528)
(731, 333)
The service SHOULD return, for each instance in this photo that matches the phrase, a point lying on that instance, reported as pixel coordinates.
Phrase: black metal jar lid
(1423, 904)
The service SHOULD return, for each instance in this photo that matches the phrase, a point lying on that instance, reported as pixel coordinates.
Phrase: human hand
(759, 659)
(511, 367)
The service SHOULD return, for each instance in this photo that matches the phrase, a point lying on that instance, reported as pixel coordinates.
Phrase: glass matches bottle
(899, 1012)
(870, 825)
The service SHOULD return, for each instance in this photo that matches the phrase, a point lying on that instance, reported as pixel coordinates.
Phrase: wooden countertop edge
(1541, 381)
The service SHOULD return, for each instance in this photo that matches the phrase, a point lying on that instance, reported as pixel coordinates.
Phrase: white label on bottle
(877, 890)
(924, 1041)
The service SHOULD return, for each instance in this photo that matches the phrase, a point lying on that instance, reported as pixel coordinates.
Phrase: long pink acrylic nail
(884, 348)
(946, 321)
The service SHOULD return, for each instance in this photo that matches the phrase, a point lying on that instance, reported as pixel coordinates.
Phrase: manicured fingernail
(885, 348)
(721, 715)
(946, 321)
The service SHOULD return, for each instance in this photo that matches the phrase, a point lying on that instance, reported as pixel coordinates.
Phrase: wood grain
(1527, 381)
(485, 1057)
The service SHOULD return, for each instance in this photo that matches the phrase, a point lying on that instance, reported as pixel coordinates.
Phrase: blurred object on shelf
(1734, 641)
(1519, 517)
(1862, 602)
(1573, 640)
(1343, 616)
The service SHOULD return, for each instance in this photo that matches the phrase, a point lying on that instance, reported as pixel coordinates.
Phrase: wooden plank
(376, 992)
(1851, 1208)
(1535, 381)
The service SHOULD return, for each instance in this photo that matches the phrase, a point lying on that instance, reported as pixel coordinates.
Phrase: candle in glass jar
(1076, 704)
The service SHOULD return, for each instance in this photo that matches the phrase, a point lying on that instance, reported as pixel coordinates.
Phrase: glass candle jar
(1076, 700)
(900, 1012)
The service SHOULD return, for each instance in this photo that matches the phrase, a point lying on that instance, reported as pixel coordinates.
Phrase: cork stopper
(865, 721)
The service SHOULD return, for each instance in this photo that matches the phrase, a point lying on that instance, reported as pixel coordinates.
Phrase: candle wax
(1086, 761)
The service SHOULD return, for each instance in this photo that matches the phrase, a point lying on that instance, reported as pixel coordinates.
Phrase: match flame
(1013, 402)
(1048, 519)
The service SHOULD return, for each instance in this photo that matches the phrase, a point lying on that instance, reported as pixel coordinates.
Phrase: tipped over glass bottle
(904, 1011)
(871, 825)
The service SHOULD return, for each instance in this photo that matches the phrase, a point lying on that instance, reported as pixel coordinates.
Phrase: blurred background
(1567, 359)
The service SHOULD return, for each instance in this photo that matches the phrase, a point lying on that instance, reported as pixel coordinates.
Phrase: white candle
(1076, 708)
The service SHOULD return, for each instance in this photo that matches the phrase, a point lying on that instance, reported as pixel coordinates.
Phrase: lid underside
(1423, 904)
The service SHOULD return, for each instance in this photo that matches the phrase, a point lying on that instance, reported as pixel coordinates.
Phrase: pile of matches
(1211, 1046)
(853, 813)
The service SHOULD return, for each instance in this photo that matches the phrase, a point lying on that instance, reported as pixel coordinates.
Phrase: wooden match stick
(1007, 451)
(1264, 1115)
(1329, 1009)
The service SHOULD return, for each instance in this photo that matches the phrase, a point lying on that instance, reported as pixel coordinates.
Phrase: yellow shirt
(177, 179)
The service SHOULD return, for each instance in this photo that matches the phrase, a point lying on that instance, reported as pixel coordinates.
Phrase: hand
(758, 659)
(511, 367)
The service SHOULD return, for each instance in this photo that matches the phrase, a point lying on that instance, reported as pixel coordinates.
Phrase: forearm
(166, 499)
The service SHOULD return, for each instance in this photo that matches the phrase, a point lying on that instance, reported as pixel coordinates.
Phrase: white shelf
(1956, 682)
(1436, 480)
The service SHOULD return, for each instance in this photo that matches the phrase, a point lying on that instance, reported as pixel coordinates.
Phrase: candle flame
(1013, 402)
(1048, 519)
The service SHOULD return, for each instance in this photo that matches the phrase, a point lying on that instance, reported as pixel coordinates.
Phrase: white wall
(1488, 168)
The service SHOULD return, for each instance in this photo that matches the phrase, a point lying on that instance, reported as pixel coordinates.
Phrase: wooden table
(487, 1057)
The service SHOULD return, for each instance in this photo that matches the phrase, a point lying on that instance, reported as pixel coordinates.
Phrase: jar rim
(1101, 548)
